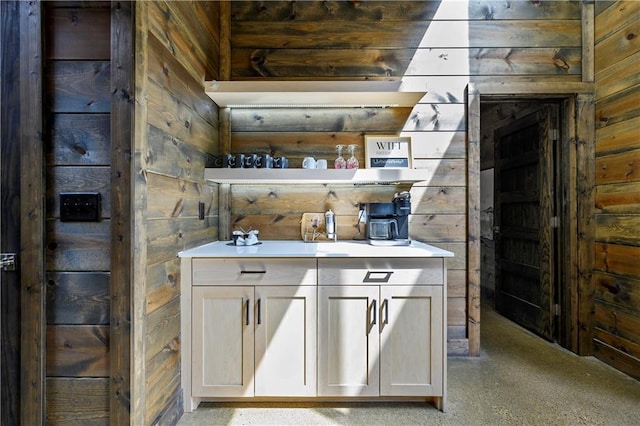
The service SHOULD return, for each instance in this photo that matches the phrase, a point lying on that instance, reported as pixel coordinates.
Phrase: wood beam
(32, 207)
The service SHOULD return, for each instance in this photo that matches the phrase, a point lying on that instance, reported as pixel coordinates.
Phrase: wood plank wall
(438, 47)
(176, 132)
(77, 141)
(616, 274)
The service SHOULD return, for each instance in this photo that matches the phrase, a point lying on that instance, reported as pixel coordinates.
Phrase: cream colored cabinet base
(348, 341)
(285, 341)
(380, 341)
(223, 344)
(324, 329)
(254, 341)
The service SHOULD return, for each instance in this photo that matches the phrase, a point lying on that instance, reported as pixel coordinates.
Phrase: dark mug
(265, 161)
(214, 161)
(228, 161)
(280, 162)
(250, 160)
(239, 161)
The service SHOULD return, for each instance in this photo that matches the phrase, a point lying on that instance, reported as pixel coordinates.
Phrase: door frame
(576, 177)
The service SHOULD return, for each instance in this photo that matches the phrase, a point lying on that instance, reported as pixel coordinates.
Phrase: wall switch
(80, 206)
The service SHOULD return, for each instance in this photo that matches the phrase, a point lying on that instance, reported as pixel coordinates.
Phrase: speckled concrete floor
(520, 379)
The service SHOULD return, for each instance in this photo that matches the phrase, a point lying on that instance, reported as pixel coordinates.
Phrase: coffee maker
(387, 223)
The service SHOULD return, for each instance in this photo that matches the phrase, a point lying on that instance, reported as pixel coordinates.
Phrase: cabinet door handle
(385, 302)
(375, 312)
(246, 312)
(371, 278)
(259, 315)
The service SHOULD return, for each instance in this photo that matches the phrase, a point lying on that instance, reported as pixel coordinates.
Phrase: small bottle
(330, 224)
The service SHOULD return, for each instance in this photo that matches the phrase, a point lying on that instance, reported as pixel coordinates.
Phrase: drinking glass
(340, 162)
(352, 162)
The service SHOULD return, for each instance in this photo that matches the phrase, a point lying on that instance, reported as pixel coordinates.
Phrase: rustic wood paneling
(78, 246)
(164, 284)
(167, 72)
(122, 36)
(620, 42)
(407, 34)
(621, 198)
(618, 290)
(617, 216)
(78, 298)
(176, 134)
(618, 259)
(77, 401)
(138, 294)
(78, 86)
(169, 197)
(614, 356)
(442, 200)
(163, 380)
(619, 107)
(78, 34)
(185, 37)
(77, 351)
(32, 222)
(78, 179)
(10, 176)
(618, 76)
(620, 167)
(618, 229)
(79, 142)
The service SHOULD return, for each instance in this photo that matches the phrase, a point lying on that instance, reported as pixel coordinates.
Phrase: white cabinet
(313, 327)
(253, 340)
(223, 344)
(411, 341)
(285, 341)
(381, 340)
(348, 341)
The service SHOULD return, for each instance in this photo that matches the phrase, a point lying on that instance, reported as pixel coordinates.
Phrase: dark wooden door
(523, 218)
(9, 214)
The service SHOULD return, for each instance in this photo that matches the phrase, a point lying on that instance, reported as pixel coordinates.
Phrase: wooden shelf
(303, 176)
(287, 94)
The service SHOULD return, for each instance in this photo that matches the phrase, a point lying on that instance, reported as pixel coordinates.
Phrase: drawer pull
(371, 278)
(247, 312)
(375, 312)
(259, 304)
(253, 272)
(385, 302)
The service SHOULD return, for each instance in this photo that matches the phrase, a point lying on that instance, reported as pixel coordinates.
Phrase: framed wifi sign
(388, 152)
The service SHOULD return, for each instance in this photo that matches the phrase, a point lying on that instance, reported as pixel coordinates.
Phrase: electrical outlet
(80, 206)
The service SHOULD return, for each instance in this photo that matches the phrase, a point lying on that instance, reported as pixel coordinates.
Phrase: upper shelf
(283, 94)
(302, 176)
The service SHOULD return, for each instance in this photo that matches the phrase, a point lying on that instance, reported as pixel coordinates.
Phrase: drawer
(381, 271)
(254, 271)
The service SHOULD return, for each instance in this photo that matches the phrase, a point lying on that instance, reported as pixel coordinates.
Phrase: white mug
(321, 164)
(309, 163)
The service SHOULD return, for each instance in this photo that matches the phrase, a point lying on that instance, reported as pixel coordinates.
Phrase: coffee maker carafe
(387, 223)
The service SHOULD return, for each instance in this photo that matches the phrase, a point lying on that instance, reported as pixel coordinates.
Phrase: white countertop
(323, 249)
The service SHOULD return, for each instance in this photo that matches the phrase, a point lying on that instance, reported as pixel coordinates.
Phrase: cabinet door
(411, 347)
(348, 341)
(285, 338)
(222, 357)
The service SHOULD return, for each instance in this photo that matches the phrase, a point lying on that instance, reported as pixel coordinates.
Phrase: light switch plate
(80, 206)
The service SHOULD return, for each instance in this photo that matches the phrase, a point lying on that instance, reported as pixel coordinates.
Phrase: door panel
(348, 341)
(523, 215)
(410, 345)
(223, 344)
(285, 339)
